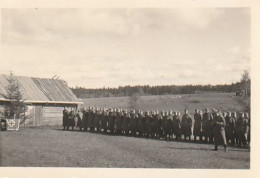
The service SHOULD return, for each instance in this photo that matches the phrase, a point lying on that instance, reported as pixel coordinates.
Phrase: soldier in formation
(220, 128)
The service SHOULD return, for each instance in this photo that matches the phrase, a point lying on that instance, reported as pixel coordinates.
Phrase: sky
(114, 47)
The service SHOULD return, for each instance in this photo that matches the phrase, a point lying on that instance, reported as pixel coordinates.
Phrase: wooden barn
(45, 98)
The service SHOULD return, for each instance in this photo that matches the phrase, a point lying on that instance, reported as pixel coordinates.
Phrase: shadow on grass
(207, 149)
(190, 148)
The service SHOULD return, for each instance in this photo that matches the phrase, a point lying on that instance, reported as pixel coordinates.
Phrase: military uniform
(91, 120)
(97, 120)
(125, 125)
(118, 123)
(140, 122)
(198, 126)
(71, 120)
(230, 128)
(242, 129)
(104, 120)
(207, 127)
(186, 124)
(79, 117)
(65, 118)
(177, 125)
(169, 127)
(157, 125)
(111, 122)
(147, 125)
(219, 124)
(85, 120)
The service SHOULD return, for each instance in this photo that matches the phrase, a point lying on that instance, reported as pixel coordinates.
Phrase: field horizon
(222, 101)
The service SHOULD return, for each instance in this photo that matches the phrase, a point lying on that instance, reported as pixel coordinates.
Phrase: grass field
(53, 147)
(223, 101)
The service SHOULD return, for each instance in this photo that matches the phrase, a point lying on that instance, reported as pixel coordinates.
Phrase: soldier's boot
(189, 138)
(225, 148)
(194, 138)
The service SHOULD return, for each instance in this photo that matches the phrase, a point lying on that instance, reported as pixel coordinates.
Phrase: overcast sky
(115, 47)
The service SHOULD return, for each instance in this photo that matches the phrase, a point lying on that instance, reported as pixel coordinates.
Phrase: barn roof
(41, 91)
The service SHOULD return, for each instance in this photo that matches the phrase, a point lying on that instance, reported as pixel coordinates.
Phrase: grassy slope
(51, 147)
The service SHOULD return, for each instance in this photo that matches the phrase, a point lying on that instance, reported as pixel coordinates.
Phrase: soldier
(147, 124)
(104, 120)
(177, 125)
(85, 119)
(219, 124)
(164, 123)
(152, 120)
(97, 120)
(65, 118)
(71, 120)
(242, 129)
(234, 116)
(140, 122)
(186, 124)
(198, 121)
(125, 123)
(118, 122)
(230, 128)
(207, 126)
(169, 126)
(157, 125)
(249, 130)
(134, 117)
(79, 117)
(91, 119)
(111, 121)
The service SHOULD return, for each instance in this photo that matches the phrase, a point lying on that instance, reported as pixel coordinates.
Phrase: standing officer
(219, 130)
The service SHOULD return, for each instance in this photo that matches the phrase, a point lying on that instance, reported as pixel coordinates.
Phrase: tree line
(143, 90)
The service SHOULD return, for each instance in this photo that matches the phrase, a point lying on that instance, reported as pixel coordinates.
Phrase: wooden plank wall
(44, 116)
(52, 116)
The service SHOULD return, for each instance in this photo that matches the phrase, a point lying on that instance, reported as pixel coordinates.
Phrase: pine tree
(15, 106)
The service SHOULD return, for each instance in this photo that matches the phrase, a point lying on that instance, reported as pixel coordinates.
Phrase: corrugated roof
(40, 90)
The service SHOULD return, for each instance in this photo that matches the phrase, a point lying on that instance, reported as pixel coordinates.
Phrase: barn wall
(52, 116)
(41, 116)
(44, 116)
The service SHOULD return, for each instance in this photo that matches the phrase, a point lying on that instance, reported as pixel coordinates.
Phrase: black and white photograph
(126, 87)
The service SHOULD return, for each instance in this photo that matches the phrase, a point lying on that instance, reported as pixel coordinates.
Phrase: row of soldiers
(231, 128)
